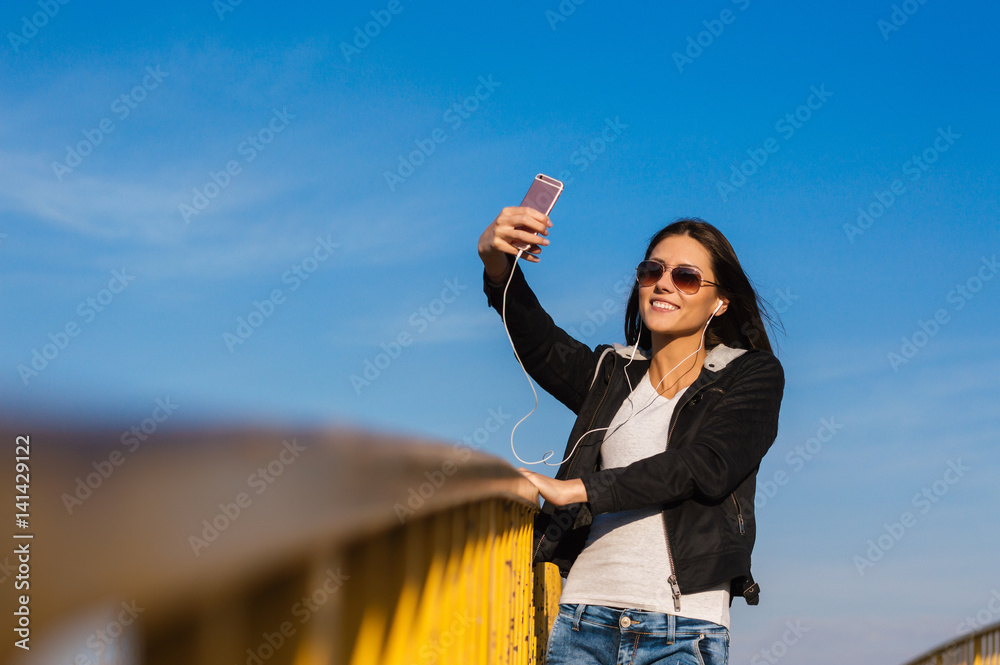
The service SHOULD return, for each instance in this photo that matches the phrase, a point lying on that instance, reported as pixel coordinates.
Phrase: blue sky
(280, 139)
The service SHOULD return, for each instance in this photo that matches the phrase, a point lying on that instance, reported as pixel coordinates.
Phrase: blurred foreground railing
(230, 547)
(979, 648)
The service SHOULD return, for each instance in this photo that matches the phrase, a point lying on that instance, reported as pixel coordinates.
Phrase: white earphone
(548, 454)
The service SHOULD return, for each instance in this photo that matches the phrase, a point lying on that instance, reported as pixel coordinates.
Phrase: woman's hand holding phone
(520, 229)
(513, 230)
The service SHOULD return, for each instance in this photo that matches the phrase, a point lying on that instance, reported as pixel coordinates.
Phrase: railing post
(546, 592)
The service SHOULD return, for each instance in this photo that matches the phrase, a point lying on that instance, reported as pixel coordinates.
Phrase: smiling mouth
(662, 306)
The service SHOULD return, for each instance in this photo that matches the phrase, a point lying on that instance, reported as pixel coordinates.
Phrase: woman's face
(670, 312)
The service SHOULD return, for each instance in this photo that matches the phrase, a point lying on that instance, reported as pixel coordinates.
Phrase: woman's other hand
(557, 492)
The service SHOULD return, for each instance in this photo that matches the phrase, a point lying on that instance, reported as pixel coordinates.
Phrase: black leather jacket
(705, 480)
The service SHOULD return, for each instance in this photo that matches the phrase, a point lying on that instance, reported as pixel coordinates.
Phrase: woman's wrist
(497, 267)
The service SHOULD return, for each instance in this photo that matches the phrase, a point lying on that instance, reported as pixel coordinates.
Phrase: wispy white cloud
(94, 206)
(132, 189)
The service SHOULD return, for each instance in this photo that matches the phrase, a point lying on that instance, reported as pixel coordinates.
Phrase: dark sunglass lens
(686, 280)
(648, 273)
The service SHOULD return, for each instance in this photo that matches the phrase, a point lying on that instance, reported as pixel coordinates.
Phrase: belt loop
(576, 615)
(671, 628)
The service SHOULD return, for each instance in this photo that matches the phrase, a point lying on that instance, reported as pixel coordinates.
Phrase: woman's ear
(722, 306)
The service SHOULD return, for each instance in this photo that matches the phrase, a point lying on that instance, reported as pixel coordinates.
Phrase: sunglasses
(686, 279)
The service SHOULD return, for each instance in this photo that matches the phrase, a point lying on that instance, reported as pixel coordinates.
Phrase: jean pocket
(713, 647)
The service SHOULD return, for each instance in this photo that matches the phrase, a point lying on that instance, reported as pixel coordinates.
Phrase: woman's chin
(667, 334)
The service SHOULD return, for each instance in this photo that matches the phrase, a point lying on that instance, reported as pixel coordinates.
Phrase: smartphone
(541, 196)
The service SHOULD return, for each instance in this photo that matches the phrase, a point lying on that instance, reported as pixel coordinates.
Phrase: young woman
(650, 516)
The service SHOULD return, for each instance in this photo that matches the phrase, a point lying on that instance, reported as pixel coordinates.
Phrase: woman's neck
(675, 364)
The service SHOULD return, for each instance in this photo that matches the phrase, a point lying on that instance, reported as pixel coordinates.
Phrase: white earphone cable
(549, 453)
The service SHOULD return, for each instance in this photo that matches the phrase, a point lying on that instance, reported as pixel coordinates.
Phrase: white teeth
(664, 306)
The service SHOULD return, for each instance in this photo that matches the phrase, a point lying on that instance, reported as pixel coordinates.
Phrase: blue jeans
(599, 635)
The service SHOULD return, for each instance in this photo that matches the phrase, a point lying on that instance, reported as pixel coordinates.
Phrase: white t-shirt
(624, 562)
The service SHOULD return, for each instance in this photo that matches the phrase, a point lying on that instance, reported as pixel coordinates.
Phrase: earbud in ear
(717, 307)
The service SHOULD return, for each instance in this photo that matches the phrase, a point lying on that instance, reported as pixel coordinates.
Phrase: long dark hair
(742, 325)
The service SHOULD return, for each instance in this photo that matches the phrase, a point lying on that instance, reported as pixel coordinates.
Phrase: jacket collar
(715, 361)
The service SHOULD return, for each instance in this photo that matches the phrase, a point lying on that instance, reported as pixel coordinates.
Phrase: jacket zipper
(739, 514)
(569, 469)
(675, 589)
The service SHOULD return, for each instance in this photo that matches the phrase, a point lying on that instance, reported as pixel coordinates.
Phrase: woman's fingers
(522, 237)
(557, 492)
(524, 228)
(530, 252)
(527, 218)
(516, 229)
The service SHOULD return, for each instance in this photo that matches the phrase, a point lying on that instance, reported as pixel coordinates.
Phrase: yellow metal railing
(979, 648)
(273, 548)
(465, 595)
